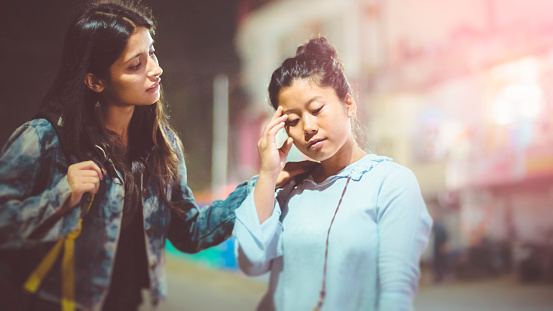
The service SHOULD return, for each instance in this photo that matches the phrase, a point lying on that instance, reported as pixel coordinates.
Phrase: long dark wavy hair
(94, 41)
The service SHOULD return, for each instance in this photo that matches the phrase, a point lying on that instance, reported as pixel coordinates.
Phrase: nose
(309, 126)
(155, 70)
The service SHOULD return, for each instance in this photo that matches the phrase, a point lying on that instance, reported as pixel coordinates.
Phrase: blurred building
(459, 91)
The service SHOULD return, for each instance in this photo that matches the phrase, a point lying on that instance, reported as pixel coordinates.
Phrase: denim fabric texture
(33, 185)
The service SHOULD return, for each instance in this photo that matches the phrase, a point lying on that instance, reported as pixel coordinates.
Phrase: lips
(154, 88)
(314, 142)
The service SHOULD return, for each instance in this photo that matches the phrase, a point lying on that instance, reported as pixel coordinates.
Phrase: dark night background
(194, 43)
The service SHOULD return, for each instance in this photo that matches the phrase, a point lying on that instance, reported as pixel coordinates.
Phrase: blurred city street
(504, 294)
(195, 287)
(462, 97)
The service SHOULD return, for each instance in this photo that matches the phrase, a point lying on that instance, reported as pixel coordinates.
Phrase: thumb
(286, 146)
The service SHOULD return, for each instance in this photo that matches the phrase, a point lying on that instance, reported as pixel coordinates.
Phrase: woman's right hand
(83, 177)
(273, 159)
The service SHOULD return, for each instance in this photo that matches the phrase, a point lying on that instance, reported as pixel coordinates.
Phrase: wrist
(268, 176)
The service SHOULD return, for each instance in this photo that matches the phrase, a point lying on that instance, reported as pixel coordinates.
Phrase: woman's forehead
(139, 42)
(301, 93)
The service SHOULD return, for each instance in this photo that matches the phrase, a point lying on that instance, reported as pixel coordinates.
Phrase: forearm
(194, 228)
(20, 217)
(264, 196)
(258, 243)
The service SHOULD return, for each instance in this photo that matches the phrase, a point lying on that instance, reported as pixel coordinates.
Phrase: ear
(351, 106)
(94, 83)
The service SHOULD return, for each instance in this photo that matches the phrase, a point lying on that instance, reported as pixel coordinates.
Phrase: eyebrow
(306, 104)
(138, 54)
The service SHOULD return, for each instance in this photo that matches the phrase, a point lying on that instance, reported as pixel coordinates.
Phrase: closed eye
(318, 110)
(291, 122)
(134, 68)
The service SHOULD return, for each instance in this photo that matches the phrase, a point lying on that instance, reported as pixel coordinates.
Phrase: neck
(347, 155)
(117, 119)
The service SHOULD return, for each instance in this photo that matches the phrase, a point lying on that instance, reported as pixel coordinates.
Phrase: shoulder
(40, 127)
(31, 146)
(388, 174)
(175, 144)
(391, 169)
(32, 132)
(397, 176)
(45, 131)
(169, 132)
(172, 137)
(396, 190)
(374, 165)
(397, 185)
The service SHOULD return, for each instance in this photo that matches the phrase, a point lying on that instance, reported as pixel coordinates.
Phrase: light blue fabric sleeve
(257, 244)
(403, 227)
(22, 208)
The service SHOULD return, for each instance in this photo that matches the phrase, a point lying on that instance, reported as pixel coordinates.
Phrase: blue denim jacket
(33, 185)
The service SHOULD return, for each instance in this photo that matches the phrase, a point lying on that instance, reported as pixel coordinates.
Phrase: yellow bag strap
(34, 281)
(68, 271)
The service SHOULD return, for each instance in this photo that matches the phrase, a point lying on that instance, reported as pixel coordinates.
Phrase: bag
(22, 270)
(15, 267)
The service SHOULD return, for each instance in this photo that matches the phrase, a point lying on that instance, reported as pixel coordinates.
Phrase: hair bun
(318, 47)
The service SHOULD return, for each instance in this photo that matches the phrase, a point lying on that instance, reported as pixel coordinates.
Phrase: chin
(317, 156)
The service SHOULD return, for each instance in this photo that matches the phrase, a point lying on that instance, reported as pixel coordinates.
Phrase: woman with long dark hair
(103, 162)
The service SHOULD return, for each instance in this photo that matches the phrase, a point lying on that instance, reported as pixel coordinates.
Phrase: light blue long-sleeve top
(376, 240)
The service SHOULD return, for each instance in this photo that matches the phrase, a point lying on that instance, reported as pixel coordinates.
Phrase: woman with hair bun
(349, 235)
